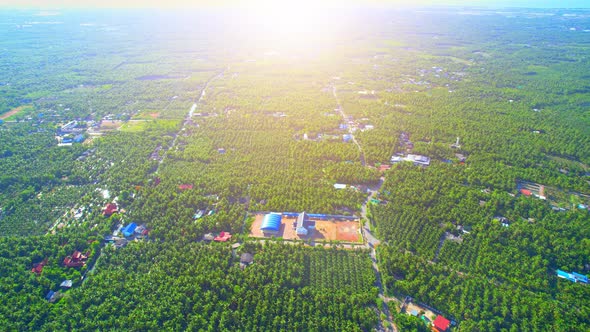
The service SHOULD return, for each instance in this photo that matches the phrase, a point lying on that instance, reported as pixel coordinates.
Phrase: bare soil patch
(11, 112)
(325, 230)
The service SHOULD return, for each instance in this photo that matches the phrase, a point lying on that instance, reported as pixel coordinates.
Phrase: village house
(109, 209)
(77, 259)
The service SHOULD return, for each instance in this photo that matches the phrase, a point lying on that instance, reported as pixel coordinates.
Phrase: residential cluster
(71, 132)
(123, 234)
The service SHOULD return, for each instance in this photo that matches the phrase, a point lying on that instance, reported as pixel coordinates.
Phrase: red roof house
(109, 209)
(77, 259)
(223, 237)
(185, 186)
(38, 268)
(526, 192)
(441, 324)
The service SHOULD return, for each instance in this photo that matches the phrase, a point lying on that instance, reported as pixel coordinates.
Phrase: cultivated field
(326, 230)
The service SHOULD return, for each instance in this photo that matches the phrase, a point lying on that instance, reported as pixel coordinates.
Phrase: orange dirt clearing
(11, 112)
(325, 230)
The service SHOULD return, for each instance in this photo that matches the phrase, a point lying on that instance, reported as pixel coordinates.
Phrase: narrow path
(372, 242)
(187, 118)
(440, 244)
(341, 110)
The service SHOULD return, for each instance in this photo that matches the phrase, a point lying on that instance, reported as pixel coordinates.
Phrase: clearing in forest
(147, 115)
(14, 111)
(107, 125)
(331, 229)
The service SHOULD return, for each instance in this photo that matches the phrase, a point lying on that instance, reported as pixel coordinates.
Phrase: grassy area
(139, 126)
(147, 115)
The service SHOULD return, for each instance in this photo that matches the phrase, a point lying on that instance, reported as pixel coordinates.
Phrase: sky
(42, 4)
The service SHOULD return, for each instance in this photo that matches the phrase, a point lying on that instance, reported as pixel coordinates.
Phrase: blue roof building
(566, 275)
(573, 277)
(129, 229)
(347, 138)
(580, 277)
(79, 138)
(67, 140)
(271, 223)
(304, 226)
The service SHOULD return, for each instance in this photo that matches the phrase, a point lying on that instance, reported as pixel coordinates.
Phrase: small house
(396, 159)
(51, 296)
(418, 160)
(223, 237)
(109, 209)
(441, 324)
(66, 284)
(198, 214)
(77, 259)
(38, 268)
(246, 259)
(129, 229)
(141, 230)
(384, 167)
(208, 237)
(79, 138)
(526, 192)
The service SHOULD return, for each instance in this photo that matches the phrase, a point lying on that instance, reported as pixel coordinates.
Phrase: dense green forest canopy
(170, 114)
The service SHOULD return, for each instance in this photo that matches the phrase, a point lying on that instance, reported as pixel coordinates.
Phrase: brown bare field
(11, 112)
(337, 230)
(326, 230)
(110, 124)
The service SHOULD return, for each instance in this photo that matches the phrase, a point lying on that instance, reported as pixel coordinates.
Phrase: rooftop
(441, 323)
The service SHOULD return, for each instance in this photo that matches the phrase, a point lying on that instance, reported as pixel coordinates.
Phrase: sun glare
(293, 24)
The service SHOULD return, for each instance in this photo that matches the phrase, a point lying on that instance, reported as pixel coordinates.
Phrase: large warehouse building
(271, 224)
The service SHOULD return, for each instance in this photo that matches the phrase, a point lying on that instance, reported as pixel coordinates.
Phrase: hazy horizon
(90, 4)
